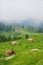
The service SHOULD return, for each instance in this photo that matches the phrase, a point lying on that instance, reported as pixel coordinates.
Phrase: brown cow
(9, 52)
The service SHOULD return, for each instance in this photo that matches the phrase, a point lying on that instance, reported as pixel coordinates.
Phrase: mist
(19, 10)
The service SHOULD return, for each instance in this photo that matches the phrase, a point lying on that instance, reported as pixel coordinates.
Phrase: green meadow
(24, 54)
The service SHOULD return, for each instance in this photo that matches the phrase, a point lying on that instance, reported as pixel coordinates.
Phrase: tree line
(4, 27)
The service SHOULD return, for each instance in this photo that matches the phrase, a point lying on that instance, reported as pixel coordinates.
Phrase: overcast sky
(21, 9)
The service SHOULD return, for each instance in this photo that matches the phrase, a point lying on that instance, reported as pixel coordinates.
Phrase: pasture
(24, 54)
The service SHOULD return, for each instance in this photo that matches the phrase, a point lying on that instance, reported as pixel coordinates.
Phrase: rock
(35, 49)
(8, 58)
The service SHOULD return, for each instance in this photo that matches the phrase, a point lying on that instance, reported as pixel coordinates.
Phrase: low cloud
(21, 9)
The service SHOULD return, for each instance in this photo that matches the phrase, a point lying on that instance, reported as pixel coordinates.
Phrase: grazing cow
(9, 52)
(14, 43)
(31, 40)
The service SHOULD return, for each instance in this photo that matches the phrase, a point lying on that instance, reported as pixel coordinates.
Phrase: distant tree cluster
(4, 27)
(4, 38)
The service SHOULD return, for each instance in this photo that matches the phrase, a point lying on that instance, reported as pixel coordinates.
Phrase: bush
(20, 37)
(26, 36)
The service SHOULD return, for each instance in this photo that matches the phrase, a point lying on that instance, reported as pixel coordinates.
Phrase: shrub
(26, 36)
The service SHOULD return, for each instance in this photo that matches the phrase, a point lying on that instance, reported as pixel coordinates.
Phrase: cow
(31, 40)
(14, 43)
(9, 52)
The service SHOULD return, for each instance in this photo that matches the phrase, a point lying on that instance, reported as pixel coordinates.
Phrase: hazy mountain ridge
(30, 22)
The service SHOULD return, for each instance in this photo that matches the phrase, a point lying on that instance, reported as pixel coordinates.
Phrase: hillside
(24, 54)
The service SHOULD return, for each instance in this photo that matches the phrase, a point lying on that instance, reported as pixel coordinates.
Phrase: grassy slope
(23, 54)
